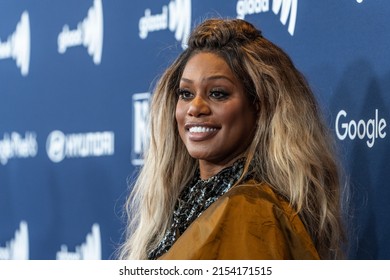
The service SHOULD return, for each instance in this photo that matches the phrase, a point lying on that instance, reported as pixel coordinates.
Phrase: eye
(184, 94)
(219, 94)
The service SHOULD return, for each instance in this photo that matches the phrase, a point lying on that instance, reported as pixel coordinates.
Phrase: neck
(208, 169)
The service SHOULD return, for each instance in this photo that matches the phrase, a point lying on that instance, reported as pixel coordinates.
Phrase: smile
(201, 132)
(201, 129)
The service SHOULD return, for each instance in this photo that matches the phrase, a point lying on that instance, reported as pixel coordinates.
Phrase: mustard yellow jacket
(248, 222)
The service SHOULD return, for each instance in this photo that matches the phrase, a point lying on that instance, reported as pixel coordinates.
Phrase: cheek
(179, 114)
(231, 114)
(239, 120)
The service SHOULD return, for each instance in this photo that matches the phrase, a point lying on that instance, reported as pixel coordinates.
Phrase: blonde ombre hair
(291, 150)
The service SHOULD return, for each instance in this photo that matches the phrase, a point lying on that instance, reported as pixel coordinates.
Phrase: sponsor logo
(91, 249)
(15, 145)
(287, 8)
(89, 33)
(141, 106)
(18, 247)
(79, 145)
(371, 129)
(17, 45)
(176, 16)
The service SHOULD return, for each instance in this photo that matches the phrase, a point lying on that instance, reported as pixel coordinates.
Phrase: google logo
(371, 129)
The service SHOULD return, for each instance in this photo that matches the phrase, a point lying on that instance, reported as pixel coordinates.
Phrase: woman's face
(214, 116)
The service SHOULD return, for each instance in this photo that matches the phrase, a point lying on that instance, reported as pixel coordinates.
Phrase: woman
(240, 164)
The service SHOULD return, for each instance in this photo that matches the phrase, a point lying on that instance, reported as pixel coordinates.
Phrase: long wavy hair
(291, 150)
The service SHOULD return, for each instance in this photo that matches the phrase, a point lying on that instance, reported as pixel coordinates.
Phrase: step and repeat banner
(76, 78)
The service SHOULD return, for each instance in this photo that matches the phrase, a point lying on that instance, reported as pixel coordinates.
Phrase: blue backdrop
(75, 80)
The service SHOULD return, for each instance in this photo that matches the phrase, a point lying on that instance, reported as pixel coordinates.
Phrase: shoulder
(253, 190)
(262, 221)
(261, 196)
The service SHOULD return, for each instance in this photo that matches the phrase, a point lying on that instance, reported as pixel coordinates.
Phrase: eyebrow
(211, 78)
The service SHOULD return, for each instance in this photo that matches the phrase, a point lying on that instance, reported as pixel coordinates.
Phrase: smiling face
(214, 116)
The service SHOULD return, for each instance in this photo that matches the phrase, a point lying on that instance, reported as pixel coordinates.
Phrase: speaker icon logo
(89, 33)
(288, 10)
(18, 247)
(176, 16)
(91, 249)
(17, 46)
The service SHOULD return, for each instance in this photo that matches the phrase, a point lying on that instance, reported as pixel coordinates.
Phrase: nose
(198, 107)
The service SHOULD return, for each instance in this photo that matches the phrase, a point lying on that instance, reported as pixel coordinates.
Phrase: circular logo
(55, 146)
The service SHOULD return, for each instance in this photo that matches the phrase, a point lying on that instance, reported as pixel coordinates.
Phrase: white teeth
(201, 129)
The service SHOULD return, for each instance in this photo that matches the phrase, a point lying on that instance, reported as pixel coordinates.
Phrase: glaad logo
(89, 33)
(371, 129)
(140, 126)
(79, 145)
(15, 146)
(179, 12)
(17, 45)
(287, 9)
(90, 250)
(17, 248)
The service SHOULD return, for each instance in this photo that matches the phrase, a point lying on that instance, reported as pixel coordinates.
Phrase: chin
(199, 156)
